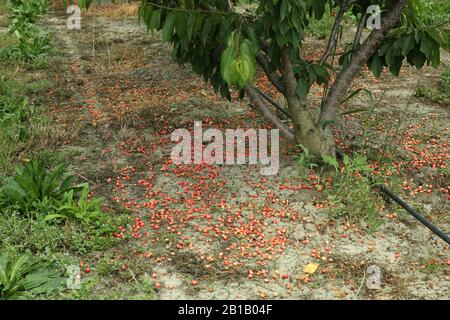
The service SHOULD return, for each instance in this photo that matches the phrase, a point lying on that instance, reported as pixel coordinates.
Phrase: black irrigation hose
(382, 188)
(273, 102)
(414, 213)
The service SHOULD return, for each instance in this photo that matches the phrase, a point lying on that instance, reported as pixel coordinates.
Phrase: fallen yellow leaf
(340, 293)
(310, 268)
(302, 277)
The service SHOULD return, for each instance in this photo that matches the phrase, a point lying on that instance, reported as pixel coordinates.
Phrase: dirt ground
(226, 232)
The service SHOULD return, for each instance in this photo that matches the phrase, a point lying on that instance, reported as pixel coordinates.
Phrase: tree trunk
(308, 133)
(319, 141)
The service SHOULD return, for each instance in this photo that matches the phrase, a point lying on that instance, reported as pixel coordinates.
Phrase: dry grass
(114, 11)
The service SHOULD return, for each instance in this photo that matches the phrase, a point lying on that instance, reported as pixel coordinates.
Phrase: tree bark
(267, 113)
(345, 78)
(317, 136)
(307, 133)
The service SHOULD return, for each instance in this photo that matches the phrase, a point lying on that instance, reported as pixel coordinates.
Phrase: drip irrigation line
(385, 190)
(273, 102)
(380, 187)
(414, 213)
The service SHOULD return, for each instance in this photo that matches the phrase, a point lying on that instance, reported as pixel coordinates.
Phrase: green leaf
(408, 44)
(181, 25)
(396, 65)
(206, 29)
(427, 45)
(376, 65)
(155, 20)
(229, 70)
(284, 9)
(435, 58)
(416, 58)
(302, 88)
(351, 95)
(169, 25)
(66, 185)
(441, 37)
(321, 73)
(332, 161)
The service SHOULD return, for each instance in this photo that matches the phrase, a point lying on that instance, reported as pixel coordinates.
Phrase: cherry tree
(227, 41)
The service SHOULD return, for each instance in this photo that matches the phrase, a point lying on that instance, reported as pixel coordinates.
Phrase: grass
(320, 29)
(440, 95)
(351, 196)
(115, 10)
(40, 237)
(27, 127)
(28, 131)
(27, 41)
(435, 12)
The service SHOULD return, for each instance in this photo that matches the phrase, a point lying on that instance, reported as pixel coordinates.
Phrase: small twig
(361, 24)
(273, 102)
(230, 5)
(272, 76)
(134, 278)
(86, 179)
(332, 41)
(362, 284)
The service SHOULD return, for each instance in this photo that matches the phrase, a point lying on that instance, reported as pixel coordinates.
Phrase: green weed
(83, 209)
(352, 196)
(441, 95)
(31, 43)
(22, 275)
(38, 192)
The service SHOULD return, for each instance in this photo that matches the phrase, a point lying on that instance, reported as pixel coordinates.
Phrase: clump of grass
(23, 275)
(435, 12)
(29, 42)
(115, 10)
(25, 125)
(320, 29)
(351, 195)
(441, 95)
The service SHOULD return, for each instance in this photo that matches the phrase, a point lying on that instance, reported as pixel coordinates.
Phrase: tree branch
(345, 77)
(273, 102)
(332, 41)
(290, 81)
(267, 113)
(359, 31)
(230, 5)
(272, 76)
